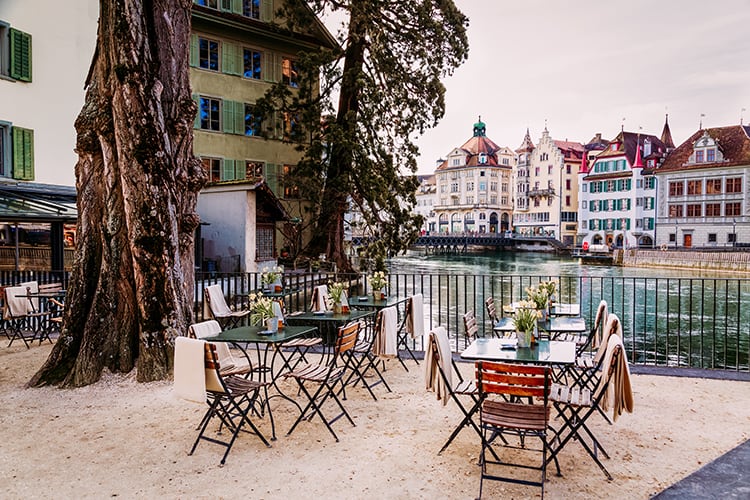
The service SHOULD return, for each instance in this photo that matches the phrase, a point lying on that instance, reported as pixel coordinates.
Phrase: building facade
(473, 187)
(703, 190)
(44, 59)
(236, 55)
(546, 188)
(618, 192)
(426, 200)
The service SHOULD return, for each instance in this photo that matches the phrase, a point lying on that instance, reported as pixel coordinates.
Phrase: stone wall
(696, 260)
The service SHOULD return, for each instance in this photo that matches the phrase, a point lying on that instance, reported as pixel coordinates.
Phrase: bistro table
(546, 352)
(554, 325)
(243, 335)
(557, 309)
(369, 302)
(327, 322)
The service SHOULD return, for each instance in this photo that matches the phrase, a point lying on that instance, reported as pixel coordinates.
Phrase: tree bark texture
(131, 290)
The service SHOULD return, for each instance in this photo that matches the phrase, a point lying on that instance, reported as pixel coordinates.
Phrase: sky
(584, 66)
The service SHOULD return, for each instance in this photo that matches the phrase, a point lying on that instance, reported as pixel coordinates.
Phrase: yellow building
(236, 56)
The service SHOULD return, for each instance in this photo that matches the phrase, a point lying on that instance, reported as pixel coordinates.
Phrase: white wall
(226, 213)
(63, 38)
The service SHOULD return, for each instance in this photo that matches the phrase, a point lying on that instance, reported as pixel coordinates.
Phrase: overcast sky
(585, 65)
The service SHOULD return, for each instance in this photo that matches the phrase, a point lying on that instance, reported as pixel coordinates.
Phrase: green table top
(251, 334)
(544, 352)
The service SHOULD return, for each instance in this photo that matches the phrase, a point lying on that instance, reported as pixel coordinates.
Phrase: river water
(671, 317)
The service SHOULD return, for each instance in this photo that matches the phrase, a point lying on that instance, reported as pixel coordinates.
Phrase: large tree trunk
(131, 289)
(338, 183)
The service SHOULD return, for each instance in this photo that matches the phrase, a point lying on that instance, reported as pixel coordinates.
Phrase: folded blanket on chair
(415, 316)
(385, 338)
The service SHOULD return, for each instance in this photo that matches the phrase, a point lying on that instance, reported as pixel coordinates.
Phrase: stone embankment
(685, 259)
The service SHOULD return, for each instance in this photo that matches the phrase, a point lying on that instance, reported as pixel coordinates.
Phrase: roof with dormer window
(479, 146)
(626, 144)
(732, 142)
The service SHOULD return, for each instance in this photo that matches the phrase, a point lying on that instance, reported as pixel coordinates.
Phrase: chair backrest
(16, 302)
(613, 351)
(319, 298)
(491, 311)
(470, 325)
(513, 379)
(211, 328)
(612, 326)
(212, 368)
(50, 287)
(602, 312)
(414, 317)
(441, 355)
(347, 337)
(31, 287)
(217, 305)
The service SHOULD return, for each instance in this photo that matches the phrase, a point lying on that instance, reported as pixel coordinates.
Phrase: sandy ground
(119, 438)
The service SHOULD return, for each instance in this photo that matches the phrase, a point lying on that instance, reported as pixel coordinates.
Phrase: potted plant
(262, 313)
(336, 296)
(270, 278)
(540, 297)
(524, 320)
(377, 281)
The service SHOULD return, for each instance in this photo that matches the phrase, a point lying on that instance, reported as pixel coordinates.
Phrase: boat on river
(593, 254)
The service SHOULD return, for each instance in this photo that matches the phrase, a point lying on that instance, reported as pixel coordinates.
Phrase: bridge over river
(460, 243)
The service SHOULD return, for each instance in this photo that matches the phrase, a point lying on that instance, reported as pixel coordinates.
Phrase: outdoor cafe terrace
(392, 445)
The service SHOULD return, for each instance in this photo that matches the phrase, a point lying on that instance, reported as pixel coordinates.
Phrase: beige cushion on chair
(189, 377)
(229, 364)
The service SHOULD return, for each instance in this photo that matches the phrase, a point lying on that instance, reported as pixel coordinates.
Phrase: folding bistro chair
(440, 370)
(470, 326)
(22, 318)
(320, 300)
(576, 403)
(216, 307)
(521, 410)
(229, 364)
(370, 348)
(230, 399)
(412, 328)
(491, 310)
(299, 346)
(327, 376)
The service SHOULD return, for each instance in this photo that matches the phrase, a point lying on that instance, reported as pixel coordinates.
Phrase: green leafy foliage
(385, 77)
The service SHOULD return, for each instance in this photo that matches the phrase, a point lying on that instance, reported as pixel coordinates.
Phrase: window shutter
(194, 51)
(228, 108)
(272, 178)
(20, 55)
(230, 62)
(272, 67)
(23, 154)
(197, 120)
(266, 11)
(239, 118)
(227, 170)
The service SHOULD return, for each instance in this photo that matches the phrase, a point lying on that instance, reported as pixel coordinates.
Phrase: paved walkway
(727, 477)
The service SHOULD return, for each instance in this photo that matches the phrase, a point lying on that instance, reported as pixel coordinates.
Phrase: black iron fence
(680, 322)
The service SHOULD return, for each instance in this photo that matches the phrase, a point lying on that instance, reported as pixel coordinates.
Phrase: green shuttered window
(20, 55)
(23, 154)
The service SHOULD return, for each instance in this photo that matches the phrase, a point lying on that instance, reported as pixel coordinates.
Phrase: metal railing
(679, 322)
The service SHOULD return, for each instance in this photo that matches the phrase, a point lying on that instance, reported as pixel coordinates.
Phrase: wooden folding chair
(22, 317)
(230, 400)
(521, 410)
(327, 376)
(409, 327)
